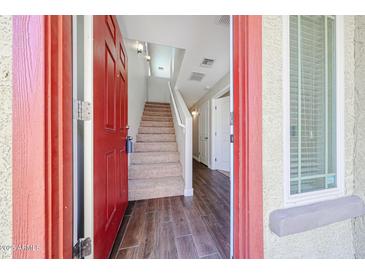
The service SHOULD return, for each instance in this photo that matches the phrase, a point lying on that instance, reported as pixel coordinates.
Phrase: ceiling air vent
(207, 63)
(223, 20)
(196, 76)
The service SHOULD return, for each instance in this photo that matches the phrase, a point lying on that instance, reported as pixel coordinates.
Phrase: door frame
(47, 216)
(42, 136)
(214, 124)
(247, 92)
(89, 132)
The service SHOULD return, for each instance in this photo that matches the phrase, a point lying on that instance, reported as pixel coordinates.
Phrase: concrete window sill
(298, 219)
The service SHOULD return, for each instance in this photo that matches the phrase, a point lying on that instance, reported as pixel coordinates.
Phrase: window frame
(326, 194)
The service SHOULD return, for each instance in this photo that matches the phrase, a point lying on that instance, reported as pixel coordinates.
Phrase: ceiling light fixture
(194, 113)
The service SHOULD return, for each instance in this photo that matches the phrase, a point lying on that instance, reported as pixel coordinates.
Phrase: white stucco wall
(5, 135)
(359, 131)
(137, 87)
(158, 90)
(332, 241)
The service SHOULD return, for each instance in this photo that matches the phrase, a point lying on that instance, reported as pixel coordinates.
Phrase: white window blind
(312, 103)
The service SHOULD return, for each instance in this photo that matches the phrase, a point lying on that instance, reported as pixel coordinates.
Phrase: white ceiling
(201, 36)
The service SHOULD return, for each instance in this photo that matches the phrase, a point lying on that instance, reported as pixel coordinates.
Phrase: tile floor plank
(148, 244)
(212, 256)
(186, 248)
(128, 253)
(180, 224)
(202, 238)
(134, 229)
(165, 210)
(152, 205)
(219, 235)
(166, 247)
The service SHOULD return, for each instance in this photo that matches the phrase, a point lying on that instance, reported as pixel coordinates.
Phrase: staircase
(155, 169)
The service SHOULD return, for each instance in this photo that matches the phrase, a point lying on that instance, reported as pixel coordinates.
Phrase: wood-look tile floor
(179, 227)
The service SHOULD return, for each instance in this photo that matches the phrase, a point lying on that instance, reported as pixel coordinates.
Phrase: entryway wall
(6, 135)
(359, 132)
(137, 86)
(220, 88)
(158, 90)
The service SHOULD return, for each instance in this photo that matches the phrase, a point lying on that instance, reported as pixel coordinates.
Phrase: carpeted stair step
(152, 130)
(140, 189)
(148, 171)
(154, 157)
(162, 105)
(157, 109)
(156, 138)
(154, 113)
(155, 146)
(157, 118)
(156, 124)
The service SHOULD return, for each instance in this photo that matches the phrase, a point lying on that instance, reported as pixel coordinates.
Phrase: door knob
(127, 126)
(206, 138)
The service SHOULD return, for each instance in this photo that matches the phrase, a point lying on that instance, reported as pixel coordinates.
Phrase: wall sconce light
(148, 58)
(139, 48)
(194, 113)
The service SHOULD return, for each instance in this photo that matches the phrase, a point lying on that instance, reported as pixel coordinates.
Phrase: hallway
(179, 227)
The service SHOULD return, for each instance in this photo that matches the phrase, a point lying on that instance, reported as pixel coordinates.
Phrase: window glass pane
(313, 184)
(313, 115)
(294, 187)
(312, 103)
(294, 97)
(331, 45)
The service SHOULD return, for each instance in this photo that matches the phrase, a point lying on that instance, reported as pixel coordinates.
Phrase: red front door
(110, 132)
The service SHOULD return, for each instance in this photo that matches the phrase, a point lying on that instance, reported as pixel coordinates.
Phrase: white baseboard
(196, 158)
(188, 192)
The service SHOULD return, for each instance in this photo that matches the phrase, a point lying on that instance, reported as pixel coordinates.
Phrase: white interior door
(204, 133)
(222, 141)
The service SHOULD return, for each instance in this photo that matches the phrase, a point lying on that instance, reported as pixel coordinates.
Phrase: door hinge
(82, 248)
(215, 107)
(231, 118)
(215, 159)
(82, 110)
(231, 138)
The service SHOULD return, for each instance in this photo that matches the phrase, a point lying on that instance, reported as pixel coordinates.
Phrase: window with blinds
(312, 103)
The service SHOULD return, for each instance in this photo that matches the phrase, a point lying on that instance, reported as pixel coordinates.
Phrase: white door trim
(89, 134)
(231, 105)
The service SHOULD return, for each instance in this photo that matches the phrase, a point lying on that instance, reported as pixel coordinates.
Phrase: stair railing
(184, 137)
(175, 107)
